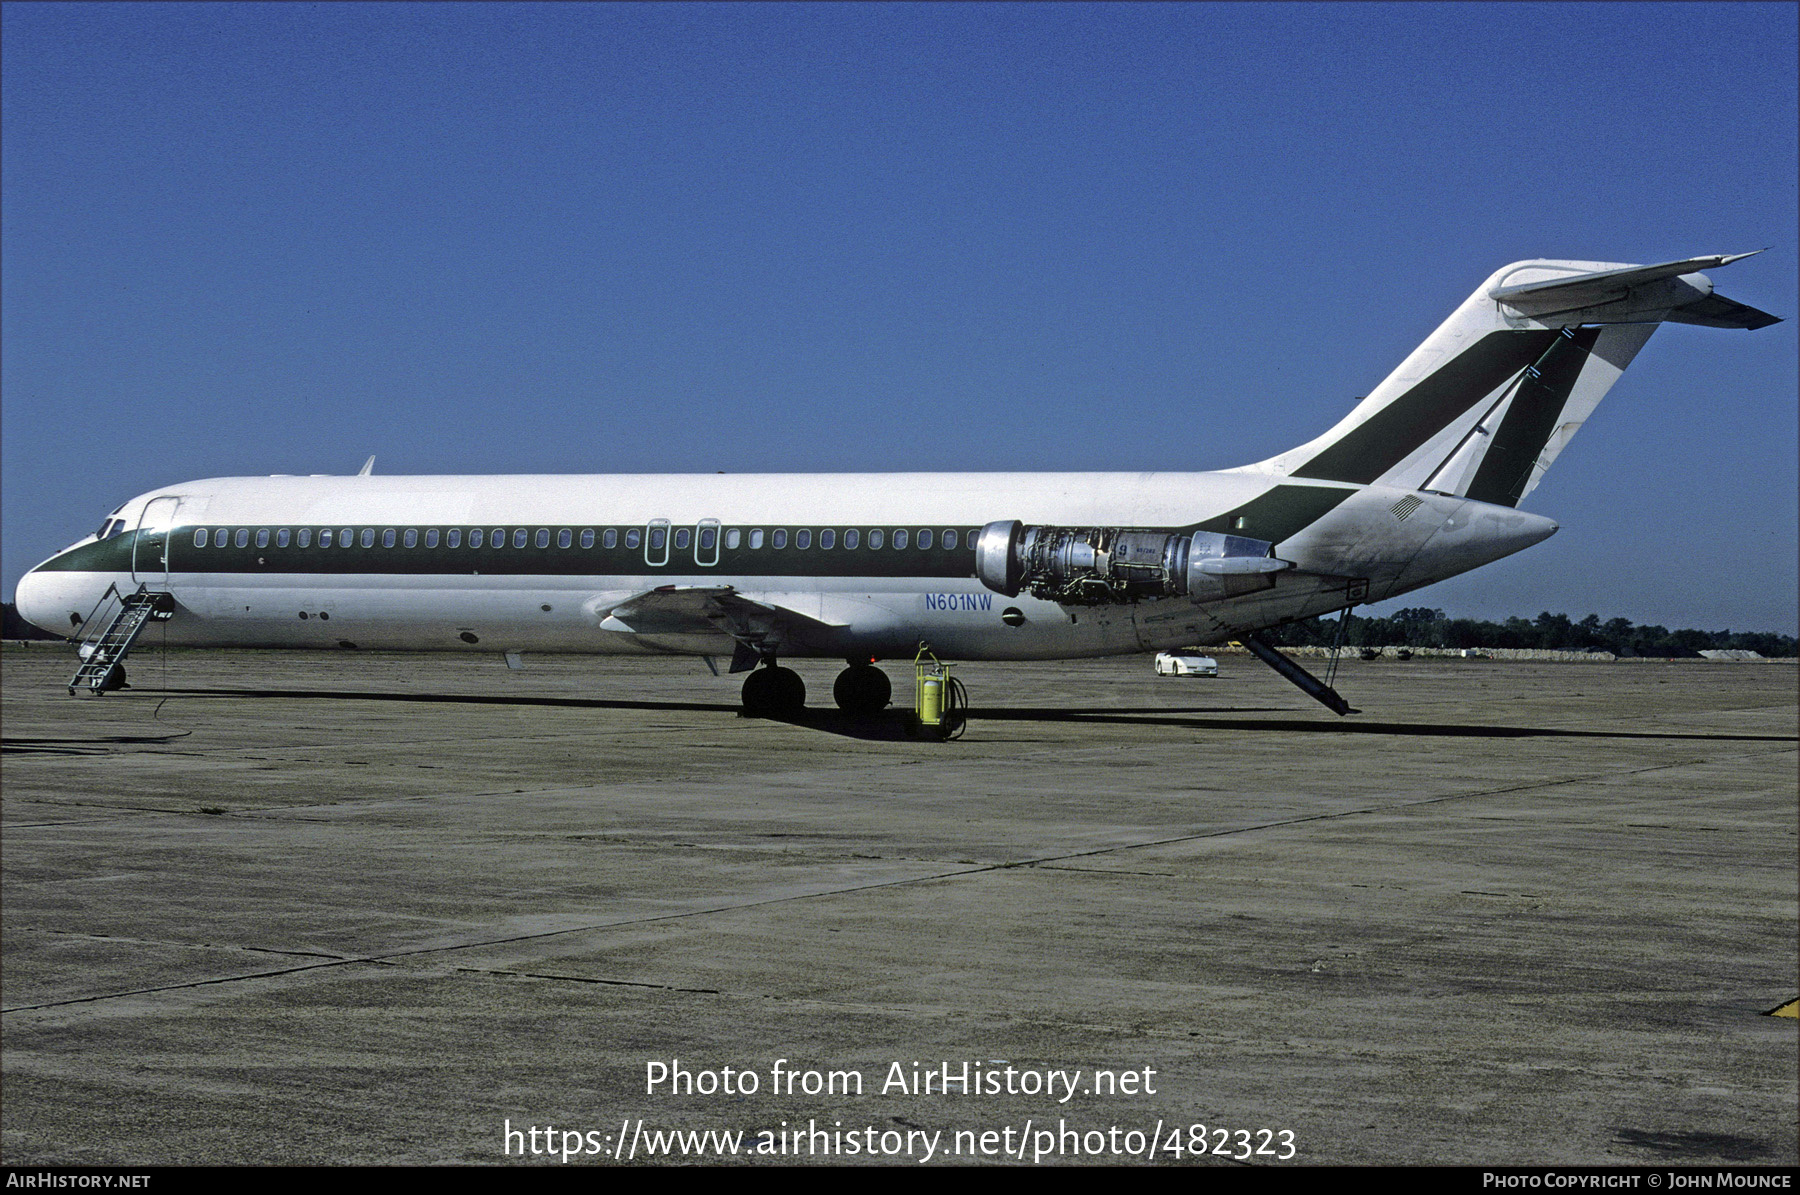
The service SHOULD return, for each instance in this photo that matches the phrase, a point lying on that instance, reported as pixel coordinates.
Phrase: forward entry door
(150, 548)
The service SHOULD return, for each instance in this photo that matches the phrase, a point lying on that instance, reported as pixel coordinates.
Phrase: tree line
(1422, 626)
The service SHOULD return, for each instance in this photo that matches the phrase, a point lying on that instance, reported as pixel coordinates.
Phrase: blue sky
(277, 238)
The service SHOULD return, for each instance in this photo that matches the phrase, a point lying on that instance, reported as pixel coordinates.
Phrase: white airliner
(1419, 482)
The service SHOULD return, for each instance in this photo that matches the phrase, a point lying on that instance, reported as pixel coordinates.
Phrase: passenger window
(756, 537)
(924, 538)
(899, 537)
(852, 538)
(565, 538)
(610, 539)
(387, 537)
(633, 538)
(411, 539)
(453, 538)
(304, 538)
(827, 538)
(778, 537)
(681, 538)
(368, 537)
(657, 540)
(281, 538)
(262, 537)
(220, 538)
(587, 537)
(542, 538)
(733, 538)
(497, 538)
(519, 536)
(949, 538)
(199, 537)
(324, 537)
(708, 537)
(874, 537)
(431, 537)
(475, 537)
(243, 537)
(346, 538)
(803, 539)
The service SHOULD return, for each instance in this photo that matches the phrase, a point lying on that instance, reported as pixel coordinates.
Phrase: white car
(1179, 663)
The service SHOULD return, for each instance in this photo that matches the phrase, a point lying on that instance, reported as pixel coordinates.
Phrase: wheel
(774, 692)
(114, 680)
(862, 689)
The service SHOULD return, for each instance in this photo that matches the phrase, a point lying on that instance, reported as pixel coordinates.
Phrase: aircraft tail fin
(1488, 402)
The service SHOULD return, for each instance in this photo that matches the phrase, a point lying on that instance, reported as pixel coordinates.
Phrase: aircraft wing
(713, 610)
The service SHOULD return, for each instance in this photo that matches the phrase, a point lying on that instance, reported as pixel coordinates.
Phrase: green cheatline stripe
(1393, 433)
(117, 554)
(1531, 419)
(1272, 516)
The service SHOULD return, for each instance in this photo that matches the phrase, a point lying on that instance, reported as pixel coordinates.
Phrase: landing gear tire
(774, 692)
(862, 689)
(114, 680)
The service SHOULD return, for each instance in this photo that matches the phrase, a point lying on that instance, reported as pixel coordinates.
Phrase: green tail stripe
(1398, 429)
(1277, 514)
(1531, 419)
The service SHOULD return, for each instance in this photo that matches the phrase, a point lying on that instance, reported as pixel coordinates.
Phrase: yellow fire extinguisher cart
(940, 703)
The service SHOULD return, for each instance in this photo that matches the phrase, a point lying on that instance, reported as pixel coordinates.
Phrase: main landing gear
(862, 689)
(772, 691)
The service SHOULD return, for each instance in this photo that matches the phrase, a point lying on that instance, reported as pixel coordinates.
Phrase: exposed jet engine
(1098, 566)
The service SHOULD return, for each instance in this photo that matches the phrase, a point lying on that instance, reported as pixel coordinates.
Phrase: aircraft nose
(46, 600)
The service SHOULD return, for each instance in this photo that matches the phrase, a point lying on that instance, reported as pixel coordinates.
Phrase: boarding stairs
(114, 625)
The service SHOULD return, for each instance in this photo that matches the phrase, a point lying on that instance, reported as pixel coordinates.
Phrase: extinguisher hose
(956, 704)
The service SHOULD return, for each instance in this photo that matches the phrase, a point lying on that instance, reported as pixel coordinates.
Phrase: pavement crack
(593, 979)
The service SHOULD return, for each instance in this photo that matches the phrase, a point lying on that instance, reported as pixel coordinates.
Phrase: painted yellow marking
(1790, 1009)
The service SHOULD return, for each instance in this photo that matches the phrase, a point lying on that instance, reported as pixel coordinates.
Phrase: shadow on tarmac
(895, 724)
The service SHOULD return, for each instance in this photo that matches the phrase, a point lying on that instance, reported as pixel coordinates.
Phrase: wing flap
(761, 626)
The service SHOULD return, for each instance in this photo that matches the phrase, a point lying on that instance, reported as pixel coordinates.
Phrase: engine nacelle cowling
(1098, 566)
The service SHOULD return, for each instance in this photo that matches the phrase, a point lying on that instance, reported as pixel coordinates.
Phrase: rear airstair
(111, 630)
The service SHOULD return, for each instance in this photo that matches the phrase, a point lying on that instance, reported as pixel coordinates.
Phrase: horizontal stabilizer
(1673, 290)
(1716, 311)
(1585, 290)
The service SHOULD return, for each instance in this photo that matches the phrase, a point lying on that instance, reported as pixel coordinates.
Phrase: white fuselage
(400, 584)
